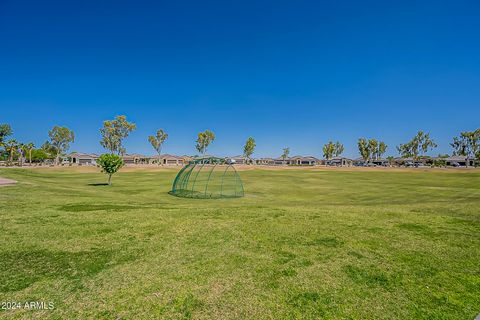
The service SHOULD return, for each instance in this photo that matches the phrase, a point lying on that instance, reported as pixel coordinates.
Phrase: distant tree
(21, 153)
(467, 144)
(249, 148)
(204, 140)
(28, 149)
(425, 142)
(285, 153)
(363, 148)
(381, 149)
(391, 160)
(373, 147)
(114, 132)
(49, 149)
(338, 149)
(110, 164)
(5, 131)
(459, 146)
(419, 145)
(60, 139)
(11, 146)
(329, 150)
(40, 155)
(405, 149)
(157, 141)
(441, 160)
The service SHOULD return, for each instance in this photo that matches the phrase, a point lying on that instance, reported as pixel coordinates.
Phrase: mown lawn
(302, 244)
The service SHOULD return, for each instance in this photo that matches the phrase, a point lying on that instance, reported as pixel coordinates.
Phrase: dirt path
(6, 182)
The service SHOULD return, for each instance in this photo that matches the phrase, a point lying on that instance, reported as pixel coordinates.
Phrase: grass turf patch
(301, 244)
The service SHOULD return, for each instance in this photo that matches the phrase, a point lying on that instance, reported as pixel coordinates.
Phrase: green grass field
(302, 244)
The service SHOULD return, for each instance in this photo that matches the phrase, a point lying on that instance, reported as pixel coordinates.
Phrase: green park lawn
(302, 244)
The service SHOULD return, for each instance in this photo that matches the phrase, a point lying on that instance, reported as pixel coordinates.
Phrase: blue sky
(288, 73)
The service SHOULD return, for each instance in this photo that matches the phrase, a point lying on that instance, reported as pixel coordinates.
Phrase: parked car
(421, 165)
(409, 164)
(230, 161)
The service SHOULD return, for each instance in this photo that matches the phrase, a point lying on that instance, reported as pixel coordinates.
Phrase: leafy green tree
(110, 164)
(371, 149)
(5, 131)
(40, 155)
(204, 140)
(338, 149)
(419, 145)
(157, 141)
(249, 148)
(467, 144)
(60, 139)
(363, 148)
(329, 150)
(114, 132)
(285, 153)
(49, 149)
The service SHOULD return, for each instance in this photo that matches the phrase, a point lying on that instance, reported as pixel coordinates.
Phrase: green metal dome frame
(208, 178)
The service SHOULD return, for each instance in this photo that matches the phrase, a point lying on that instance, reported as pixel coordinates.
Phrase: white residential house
(83, 159)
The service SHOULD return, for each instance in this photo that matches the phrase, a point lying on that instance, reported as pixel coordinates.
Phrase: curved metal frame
(208, 180)
(190, 174)
(196, 176)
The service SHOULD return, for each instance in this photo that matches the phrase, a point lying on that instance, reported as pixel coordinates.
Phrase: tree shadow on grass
(98, 184)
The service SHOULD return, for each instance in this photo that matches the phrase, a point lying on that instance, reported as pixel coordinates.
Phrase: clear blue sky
(297, 73)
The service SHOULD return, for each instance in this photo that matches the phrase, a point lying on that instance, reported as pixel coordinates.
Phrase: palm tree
(10, 146)
(286, 152)
(20, 150)
(29, 147)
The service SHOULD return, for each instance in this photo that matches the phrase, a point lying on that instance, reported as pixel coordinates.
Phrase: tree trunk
(110, 179)
(30, 157)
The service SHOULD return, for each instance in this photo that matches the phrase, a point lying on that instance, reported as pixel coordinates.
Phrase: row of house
(296, 160)
(453, 161)
(78, 158)
(168, 159)
(83, 159)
